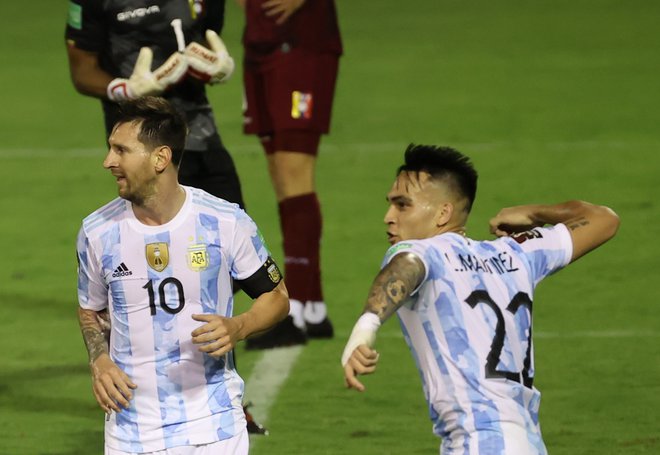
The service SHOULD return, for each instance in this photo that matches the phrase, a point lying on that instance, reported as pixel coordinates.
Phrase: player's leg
(258, 121)
(293, 174)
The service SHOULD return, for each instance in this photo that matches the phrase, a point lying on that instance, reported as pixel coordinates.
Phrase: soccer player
(125, 49)
(465, 306)
(292, 50)
(158, 263)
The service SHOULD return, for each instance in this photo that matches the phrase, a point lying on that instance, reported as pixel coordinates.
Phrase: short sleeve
(92, 290)
(547, 249)
(86, 26)
(248, 248)
(415, 247)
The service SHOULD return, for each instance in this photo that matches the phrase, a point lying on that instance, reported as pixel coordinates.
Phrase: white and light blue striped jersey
(152, 279)
(469, 328)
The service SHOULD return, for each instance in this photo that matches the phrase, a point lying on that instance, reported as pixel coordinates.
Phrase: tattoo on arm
(577, 223)
(92, 334)
(394, 284)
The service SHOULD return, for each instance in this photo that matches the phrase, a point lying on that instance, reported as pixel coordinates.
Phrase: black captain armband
(265, 279)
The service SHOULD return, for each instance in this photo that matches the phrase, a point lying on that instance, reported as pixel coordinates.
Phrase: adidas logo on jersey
(122, 270)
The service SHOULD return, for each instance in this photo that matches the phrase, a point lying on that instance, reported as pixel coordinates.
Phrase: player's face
(131, 163)
(413, 208)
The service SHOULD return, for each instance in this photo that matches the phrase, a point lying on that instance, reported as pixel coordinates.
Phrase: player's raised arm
(589, 225)
(392, 286)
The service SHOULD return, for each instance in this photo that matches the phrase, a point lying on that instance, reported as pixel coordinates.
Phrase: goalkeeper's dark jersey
(117, 29)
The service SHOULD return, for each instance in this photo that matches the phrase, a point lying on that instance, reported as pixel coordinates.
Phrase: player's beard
(139, 194)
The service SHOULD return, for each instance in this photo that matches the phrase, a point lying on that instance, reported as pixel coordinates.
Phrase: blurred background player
(126, 49)
(465, 306)
(160, 261)
(292, 50)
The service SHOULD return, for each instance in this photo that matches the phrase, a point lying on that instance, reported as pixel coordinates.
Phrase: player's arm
(392, 286)
(589, 225)
(87, 76)
(271, 304)
(111, 386)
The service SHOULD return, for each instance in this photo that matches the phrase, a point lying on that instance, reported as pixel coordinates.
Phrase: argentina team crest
(301, 105)
(158, 256)
(198, 257)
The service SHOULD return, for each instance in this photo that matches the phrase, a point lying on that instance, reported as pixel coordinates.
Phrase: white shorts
(237, 445)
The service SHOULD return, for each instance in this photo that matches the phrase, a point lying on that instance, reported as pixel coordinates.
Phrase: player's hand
(112, 387)
(209, 65)
(283, 9)
(358, 356)
(363, 360)
(513, 219)
(145, 82)
(218, 336)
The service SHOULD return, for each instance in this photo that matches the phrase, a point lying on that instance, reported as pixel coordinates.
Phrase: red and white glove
(209, 65)
(143, 81)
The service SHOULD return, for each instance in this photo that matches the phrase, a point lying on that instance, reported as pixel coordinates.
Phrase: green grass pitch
(552, 99)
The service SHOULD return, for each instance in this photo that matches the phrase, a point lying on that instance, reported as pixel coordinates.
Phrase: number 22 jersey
(469, 328)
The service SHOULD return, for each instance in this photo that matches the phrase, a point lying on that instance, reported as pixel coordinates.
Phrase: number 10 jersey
(153, 279)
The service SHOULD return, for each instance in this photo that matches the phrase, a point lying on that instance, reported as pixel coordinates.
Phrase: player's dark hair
(443, 163)
(162, 124)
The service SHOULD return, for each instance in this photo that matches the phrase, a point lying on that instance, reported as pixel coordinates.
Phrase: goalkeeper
(125, 50)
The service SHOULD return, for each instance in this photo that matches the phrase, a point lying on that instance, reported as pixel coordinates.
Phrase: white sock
(315, 312)
(296, 312)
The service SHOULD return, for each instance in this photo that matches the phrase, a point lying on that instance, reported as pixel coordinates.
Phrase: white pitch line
(267, 377)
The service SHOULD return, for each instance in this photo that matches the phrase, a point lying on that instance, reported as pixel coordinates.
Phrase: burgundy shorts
(289, 99)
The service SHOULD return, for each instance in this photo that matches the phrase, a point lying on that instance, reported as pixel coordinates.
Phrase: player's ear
(163, 157)
(444, 214)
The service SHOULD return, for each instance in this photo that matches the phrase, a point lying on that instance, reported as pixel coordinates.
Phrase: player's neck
(162, 207)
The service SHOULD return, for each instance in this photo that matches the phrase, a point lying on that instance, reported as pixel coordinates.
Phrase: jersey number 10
(161, 295)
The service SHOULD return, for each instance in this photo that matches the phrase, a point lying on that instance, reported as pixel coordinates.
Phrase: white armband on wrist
(364, 332)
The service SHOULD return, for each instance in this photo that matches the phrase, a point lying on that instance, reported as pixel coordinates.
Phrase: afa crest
(158, 256)
(198, 257)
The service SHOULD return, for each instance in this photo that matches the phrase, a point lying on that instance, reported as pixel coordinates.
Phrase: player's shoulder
(205, 202)
(112, 212)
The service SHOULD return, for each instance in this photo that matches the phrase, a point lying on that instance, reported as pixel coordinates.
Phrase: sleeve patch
(75, 16)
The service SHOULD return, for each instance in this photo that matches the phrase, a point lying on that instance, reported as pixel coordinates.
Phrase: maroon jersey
(313, 27)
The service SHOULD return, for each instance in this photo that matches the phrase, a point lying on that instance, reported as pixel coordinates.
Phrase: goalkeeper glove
(209, 65)
(145, 82)
(364, 332)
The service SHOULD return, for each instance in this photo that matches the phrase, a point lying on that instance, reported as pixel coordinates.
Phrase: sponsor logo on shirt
(122, 270)
(301, 105)
(138, 12)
